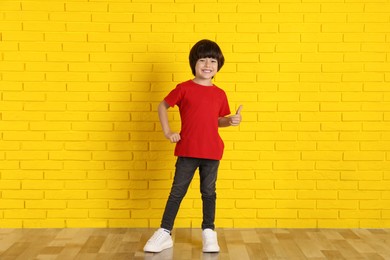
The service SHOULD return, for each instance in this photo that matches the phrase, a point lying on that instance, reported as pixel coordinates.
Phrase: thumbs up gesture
(235, 120)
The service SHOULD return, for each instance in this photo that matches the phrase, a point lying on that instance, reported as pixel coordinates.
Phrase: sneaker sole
(210, 250)
(169, 245)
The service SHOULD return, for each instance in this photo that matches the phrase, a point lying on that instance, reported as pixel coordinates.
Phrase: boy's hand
(235, 120)
(173, 137)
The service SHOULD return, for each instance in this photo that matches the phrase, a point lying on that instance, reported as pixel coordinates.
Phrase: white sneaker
(160, 240)
(210, 241)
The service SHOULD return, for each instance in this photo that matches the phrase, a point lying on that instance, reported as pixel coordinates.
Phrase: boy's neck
(203, 82)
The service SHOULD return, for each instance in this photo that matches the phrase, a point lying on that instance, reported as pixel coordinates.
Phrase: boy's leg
(185, 169)
(208, 170)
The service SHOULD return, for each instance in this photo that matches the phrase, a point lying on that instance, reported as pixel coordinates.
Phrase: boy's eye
(210, 59)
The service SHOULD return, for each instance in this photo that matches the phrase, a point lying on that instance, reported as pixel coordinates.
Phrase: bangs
(206, 52)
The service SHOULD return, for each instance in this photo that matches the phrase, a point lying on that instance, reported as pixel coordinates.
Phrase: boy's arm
(233, 120)
(163, 116)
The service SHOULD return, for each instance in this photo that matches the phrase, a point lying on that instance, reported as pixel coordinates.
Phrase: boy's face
(206, 68)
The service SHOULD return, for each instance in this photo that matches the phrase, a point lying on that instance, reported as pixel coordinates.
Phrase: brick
(75, 146)
(45, 106)
(10, 6)
(300, 27)
(254, 27)
(153, 18)
(65, 37)
(362, 116)
(70, 16)
(167, 7)
(318, 175)
(87, 204)
(364, 37)
(72, 155)
(377, 8)
(91, 67)
(26, 155)
(359, 195)
(364, 57)
(11, 204)
(24, 76)
(293, 145)
(339, 47)
(328, 165)
(86, 7)
(321, 156)
(44, 26)
(83, 46)
(130, 7)
(134, 204)
(258, 8)
(338, 223)
(360, 214)
(86, 165)
(65, 175)
(321, 117)
(322, 37)
(327, 17)
(9, 46)
(67, 214)
(110, 214)
(342, 8)
(373, 185)
(89, 106)
(16, 126)
(45, 204)
(367, 175)
(26, 213)
(293, 184)
(22, 194)
(258, 185)
(277, 213)
(282, 17)
(235, 37)
(44, 86)
(11, 66)
(68, 136)
(249, 18)
(375, 145)
(23, 136)
(23, 36)
(318, 214)
(359, 136)
(298, 106)
(109, 116)
(97, 126)
(85, 223)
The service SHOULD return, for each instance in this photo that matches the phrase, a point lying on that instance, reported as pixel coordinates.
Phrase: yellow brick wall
(80, 141)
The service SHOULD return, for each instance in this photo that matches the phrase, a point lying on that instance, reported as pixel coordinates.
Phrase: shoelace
(157, 236)
(209, 236)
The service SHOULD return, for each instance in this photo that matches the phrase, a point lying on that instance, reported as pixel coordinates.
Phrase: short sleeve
(174, 97)
(224, 109)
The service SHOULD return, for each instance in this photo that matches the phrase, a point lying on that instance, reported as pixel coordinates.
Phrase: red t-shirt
(200, 107)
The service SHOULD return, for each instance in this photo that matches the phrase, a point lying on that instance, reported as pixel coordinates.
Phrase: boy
(203, 108)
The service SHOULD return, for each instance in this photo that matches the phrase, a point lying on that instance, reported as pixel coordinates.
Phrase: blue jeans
(185, 170)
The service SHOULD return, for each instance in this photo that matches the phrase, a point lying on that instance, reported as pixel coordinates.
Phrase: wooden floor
(237, 244)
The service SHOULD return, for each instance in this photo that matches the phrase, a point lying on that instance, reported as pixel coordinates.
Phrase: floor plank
(122, 243)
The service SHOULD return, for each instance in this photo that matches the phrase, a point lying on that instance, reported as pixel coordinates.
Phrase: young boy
(203, 108)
